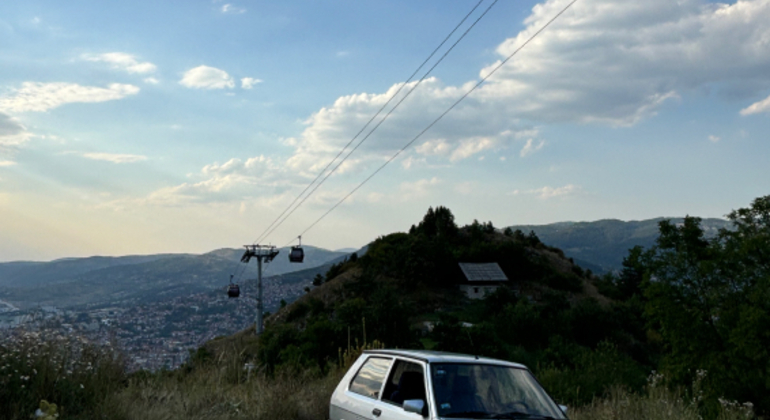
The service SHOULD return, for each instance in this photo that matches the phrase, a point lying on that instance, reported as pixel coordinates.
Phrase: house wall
(477, 292)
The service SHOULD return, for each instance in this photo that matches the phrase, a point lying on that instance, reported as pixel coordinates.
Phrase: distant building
(481, 279)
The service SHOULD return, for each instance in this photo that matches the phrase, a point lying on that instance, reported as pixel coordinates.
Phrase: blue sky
(185, 126)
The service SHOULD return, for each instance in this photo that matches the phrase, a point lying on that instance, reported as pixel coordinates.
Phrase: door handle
(376, 412)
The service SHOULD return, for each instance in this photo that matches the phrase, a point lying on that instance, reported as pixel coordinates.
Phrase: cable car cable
(480, 82)
(261, 236)
(383, 119)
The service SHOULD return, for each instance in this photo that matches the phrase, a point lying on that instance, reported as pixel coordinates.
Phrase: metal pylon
(262, 253)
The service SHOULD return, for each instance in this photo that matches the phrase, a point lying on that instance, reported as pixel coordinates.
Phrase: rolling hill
(602, 245)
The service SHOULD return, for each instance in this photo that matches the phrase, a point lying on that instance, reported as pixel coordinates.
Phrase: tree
(439, 223)
(318, 279)
(709, 300)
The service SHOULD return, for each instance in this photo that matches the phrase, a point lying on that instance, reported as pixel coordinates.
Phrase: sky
(185, 126)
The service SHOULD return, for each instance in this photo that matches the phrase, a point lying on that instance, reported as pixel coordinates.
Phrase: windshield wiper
(468, 414)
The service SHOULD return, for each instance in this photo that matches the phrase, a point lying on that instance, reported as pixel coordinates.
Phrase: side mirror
(416, 406)
(563, 408)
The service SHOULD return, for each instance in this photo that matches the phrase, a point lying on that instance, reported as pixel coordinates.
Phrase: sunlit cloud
(249, 82)
(757, 107)
(115, 157)
(205, 77)
(34, 96)
(122, 61)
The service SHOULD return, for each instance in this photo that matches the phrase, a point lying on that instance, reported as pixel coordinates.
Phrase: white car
(418, 384)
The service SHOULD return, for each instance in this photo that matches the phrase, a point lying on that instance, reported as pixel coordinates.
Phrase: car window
(368, 380)
(490, 390)
(406, 382)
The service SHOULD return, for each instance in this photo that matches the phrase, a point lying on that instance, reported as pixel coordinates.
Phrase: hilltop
(601, 245)
(405, 293)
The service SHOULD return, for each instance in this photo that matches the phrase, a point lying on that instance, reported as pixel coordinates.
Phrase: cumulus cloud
(249, 82)
(34, 96)
(151, 80)
(6, 163)
(757, 107)
(714, 139)
(616, 61)
(258, 177)
(122, 61)
(205, 77)
(115, 157)
(611, 62)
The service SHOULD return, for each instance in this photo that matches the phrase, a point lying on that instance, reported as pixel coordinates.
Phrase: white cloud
(115, 157)
(341, 54)
(122, 61)
(249, 82)
(714, 139)
(531, 147)
(611, 62)
(12, 133)
(205, 77)
(230, 9)
(34, 96)
(757, 107)
(6, 163)
(151, 80)
(257, 178)
(616, 61)
(550, 192)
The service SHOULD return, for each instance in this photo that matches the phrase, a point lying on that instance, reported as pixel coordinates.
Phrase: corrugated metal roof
(483, 272)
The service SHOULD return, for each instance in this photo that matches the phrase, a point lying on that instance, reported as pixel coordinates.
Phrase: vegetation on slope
(693, 308)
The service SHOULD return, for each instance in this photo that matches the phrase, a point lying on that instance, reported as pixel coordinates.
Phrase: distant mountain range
(602, 245)
(138, 279)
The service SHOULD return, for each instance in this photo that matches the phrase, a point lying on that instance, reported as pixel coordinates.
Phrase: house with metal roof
(481, 279)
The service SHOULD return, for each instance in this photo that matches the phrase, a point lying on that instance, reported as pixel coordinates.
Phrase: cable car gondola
(296, 255)
(233, 291)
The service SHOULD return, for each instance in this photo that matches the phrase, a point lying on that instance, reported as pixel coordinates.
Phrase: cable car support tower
(262, 253)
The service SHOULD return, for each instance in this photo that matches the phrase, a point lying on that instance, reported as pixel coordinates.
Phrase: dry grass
(225, 390)
(207, 394)
(656, 403)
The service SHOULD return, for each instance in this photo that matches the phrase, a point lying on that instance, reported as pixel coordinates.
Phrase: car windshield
(485, 391)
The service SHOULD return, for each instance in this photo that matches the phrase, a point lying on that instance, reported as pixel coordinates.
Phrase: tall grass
(658, 402)
(88, 382)
(226, 388)
(66, 370)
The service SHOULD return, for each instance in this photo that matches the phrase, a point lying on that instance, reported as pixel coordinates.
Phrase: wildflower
(81, 386)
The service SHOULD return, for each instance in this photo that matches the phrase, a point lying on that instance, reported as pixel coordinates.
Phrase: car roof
(443, 357)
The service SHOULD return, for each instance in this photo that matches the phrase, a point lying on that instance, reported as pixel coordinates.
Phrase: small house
(481, 279)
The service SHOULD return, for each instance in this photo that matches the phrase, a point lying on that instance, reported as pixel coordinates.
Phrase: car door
(406, 381)
(361, 397)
